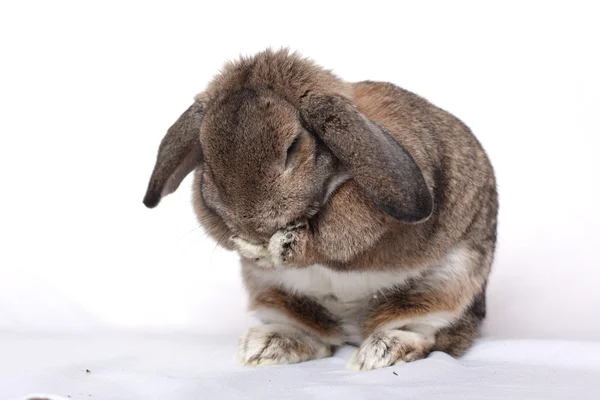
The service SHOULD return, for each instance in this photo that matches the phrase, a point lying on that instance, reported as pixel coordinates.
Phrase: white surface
(87, 91)
(197, 367)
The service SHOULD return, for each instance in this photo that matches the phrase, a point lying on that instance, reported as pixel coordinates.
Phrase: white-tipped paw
(283, 243)
(276, 253)
(389, 347)
(279, 344)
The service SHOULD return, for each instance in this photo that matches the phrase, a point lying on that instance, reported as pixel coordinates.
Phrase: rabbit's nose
(254, 235)
(266, 230)
(251, 239)
(261, 236)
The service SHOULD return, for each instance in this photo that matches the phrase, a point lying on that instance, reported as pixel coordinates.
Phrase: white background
(87, 91)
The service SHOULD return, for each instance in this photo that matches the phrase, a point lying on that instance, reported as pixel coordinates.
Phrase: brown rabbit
(363, 213)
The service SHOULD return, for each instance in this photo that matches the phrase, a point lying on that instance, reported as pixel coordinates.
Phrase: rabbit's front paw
(389, 347)
(279, 344)
(287, 244)
(282, 250)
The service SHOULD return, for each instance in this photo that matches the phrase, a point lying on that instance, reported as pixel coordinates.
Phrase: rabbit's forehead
(247, 124)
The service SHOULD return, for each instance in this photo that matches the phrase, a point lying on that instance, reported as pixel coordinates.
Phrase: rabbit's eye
(291, 151)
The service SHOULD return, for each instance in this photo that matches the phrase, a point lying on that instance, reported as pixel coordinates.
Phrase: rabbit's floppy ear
(179, 154)
(378, 163)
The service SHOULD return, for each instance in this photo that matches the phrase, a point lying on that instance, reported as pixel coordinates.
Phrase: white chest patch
(320, 282)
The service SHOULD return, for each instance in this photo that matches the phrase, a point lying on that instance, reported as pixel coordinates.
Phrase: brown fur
(276, 131)
(302, 308)
(456, 339)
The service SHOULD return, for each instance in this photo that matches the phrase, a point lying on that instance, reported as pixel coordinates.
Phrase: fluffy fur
(363, 214)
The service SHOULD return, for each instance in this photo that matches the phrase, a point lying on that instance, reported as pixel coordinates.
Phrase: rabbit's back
(454, 164)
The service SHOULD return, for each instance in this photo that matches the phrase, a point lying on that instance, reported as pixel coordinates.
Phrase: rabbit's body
(346, 235)
(348, 296)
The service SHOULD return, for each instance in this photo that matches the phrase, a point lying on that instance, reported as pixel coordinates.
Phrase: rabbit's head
(262, 169)
(273, 137)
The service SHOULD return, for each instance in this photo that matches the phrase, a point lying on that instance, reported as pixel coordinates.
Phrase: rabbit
(362, 213)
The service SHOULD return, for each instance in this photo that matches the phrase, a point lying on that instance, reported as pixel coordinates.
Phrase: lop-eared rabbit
(362, 213)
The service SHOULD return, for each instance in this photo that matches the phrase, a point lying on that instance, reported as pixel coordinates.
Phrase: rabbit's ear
(178, 155)
(378, 163)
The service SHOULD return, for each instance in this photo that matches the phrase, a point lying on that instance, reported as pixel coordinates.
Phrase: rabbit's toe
(389, 347)
(279, 344)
